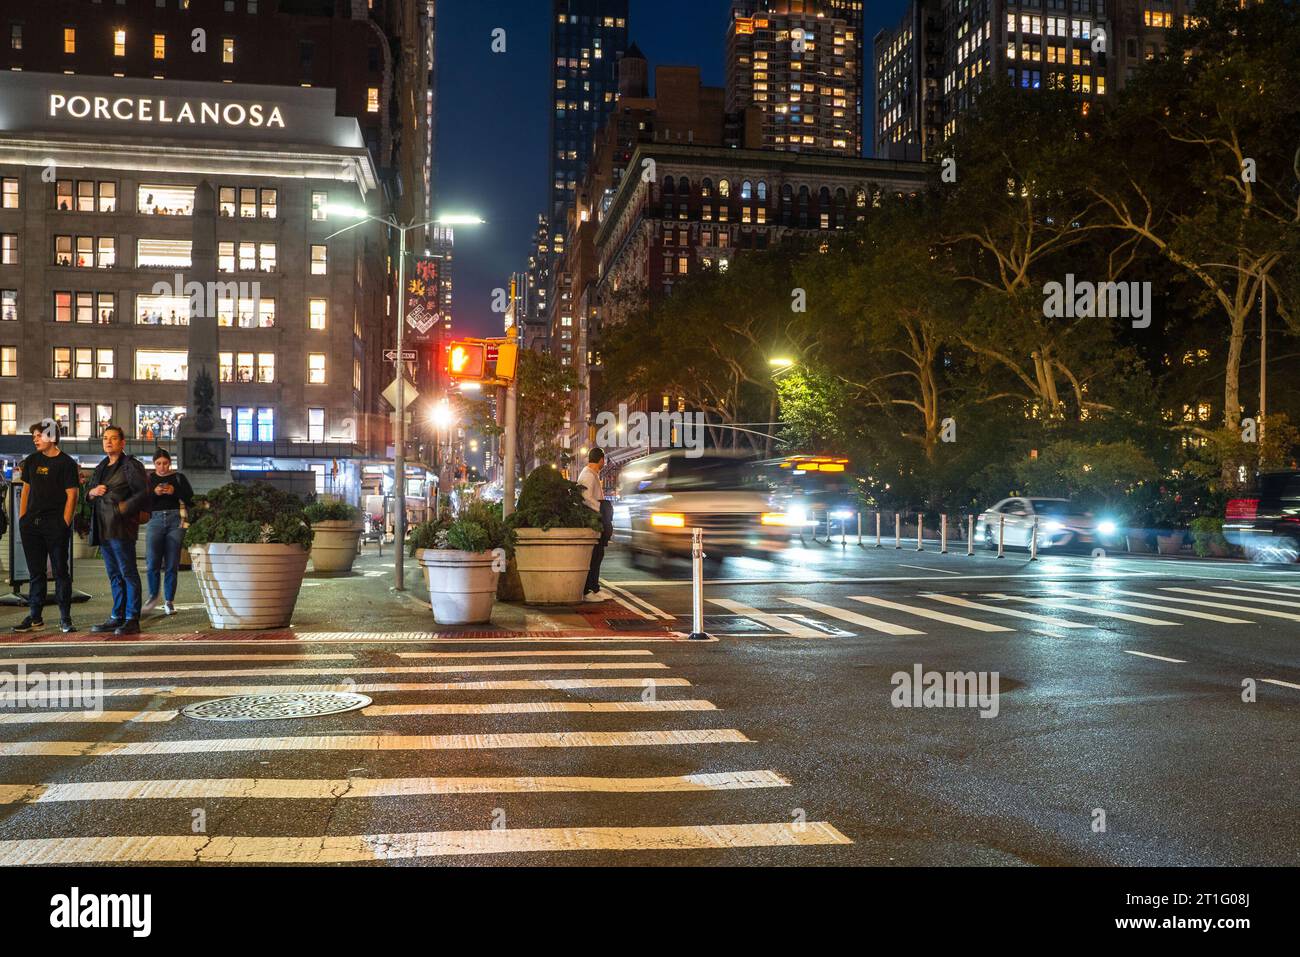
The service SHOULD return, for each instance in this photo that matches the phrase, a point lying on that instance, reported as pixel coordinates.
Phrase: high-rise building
(588, 37)
(799, 64)
(537, 315)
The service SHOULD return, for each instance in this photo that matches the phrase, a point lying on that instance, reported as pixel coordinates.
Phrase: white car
(1060, 523)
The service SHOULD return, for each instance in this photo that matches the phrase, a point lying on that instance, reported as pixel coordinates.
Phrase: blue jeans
(123, 577)
(163, 537)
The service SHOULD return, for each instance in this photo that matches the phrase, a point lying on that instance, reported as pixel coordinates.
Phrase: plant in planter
(249, 545)
(556, 533)
(1168, 518)
(461, 562)
(1207, 537)
(336, 535)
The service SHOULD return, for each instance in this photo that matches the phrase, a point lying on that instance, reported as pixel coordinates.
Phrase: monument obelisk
(204, 443)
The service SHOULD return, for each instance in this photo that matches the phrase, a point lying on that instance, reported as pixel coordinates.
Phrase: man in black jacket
(118, 491)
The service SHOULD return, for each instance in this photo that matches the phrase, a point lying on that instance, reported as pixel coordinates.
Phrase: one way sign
(408, 355)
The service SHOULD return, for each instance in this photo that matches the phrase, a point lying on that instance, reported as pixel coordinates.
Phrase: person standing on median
(593, 496)
(51, 481)
(118, 492)
(171, 498)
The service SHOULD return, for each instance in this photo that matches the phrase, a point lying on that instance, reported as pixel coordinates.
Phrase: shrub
(248, 514)
(1207, 535)
(331, 512)
(479, 528)
(549, 500)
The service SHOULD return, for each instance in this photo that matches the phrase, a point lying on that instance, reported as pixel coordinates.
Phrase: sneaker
(66, 626)
(129, 627)
(594, 596)
(106, 627)
(27, 624)
(150, 605)
(169, 608)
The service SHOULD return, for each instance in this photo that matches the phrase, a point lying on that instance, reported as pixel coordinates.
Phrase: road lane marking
(532, 684)
(1283, 684)
(929, 613)
(1185, 612)
(852, 617)
(964, 603)
(357, 848)
(1143, 654)
(926, 568)
(87, 717)
(374, 742)
(537, 707)
(1084, 609)
(536, 653)
(392, 670)
(154, 659)
(655, 611)
(1267, 612)
(300, 789)
(791, 628)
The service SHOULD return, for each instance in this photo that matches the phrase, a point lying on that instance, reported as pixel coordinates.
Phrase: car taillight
(1239, 508)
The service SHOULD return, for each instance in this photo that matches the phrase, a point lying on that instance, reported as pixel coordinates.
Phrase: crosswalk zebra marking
(356, 848)
(930, 613)
(1280, 683)
(355, 788)
(793, 629)
(1253, 591)
(1143, 654)
(535, 653)
(1011, 612)
(851, 617)
(158, 659)
(1185, 612)
(393, 670)
(86, 717)
(537, 707)
(1084, 609)
(1267, 612)
(532, 684)
(375, 742)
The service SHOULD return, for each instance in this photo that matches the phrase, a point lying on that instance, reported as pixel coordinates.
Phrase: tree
(545, 389)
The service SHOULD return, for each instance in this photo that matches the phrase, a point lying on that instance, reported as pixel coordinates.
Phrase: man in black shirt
(51, 481)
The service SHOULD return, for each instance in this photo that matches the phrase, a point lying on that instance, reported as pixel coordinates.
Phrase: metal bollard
(970, 535)
(843, 543)
(898, 530)
(1033, 541)
(943, 534)
(859, 529)
(920, 527)
(1002, 528)
(697, 584)
(878, 529)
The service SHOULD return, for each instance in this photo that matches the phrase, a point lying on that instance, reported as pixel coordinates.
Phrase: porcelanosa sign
(165, 110)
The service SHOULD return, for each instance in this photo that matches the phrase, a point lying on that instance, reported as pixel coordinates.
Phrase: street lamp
(399, 430)
(780, 364)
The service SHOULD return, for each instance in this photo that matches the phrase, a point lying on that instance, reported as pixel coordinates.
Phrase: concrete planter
(462, 585)
(248, 587)
(334, 545)
(1169, 543)
(553, 564)
(82, 550)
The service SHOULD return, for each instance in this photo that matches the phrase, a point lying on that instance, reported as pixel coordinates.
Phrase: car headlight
(1106, 527)
(668, 520)
(796, 515)
(842, 513)
(1053, 526)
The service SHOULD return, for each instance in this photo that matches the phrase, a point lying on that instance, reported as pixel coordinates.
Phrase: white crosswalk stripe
(1274, 600)
(159, 659)
(852, 617)
(393, 670)
(1238, 607)
(1082, 609)
(929, 613)
(775, 622)
(1010, 612)
(1185, 612)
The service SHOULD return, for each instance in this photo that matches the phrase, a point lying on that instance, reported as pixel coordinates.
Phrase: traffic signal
(467, 360)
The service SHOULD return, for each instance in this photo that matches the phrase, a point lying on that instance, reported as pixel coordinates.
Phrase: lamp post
(399, 427)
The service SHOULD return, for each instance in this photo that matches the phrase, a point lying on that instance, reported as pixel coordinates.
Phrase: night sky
(494, 120)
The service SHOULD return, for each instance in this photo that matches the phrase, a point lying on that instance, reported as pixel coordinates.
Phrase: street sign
(408, 355)
(409, 394)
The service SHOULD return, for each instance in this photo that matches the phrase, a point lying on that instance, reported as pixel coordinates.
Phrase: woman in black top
(170, 497)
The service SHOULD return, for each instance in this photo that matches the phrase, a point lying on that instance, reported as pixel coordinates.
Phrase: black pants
(46, 538)
(598, 553)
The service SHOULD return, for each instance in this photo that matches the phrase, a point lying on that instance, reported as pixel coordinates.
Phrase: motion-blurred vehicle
(1061, 523)
(1266, 524)
(807, 491)
(665, 496)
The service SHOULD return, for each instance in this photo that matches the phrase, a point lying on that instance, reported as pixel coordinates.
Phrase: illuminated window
(163, 253)
(227, 49)
(161, 365)
(62, 363)
(266, 367)
(244, 425)
(269, 200)
(266, 425)
(119, 42)
(69, 40)
(315, 425)
(226, 366)
(8, 305)
(9, 193)
(165, 200)
(372, 99)
(319, 263)
(356, 375)
(8, 249)
(316, 368)
(316, 309)
(8, 360)
(16, 36)
(318, 203)
(160, 46)
(8, 418)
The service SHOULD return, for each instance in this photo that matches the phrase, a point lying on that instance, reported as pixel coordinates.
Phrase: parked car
(1061, 523)
(665, 496)
(1266, 524)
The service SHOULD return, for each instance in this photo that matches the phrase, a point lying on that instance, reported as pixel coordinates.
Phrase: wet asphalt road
(1140, 724)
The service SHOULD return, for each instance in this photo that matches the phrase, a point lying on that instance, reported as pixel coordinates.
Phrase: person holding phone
(172, 498)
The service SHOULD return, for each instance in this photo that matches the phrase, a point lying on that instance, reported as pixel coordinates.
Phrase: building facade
(99, 178)
(798, 64)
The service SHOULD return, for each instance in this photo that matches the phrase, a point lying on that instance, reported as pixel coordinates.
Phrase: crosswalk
(539, 729)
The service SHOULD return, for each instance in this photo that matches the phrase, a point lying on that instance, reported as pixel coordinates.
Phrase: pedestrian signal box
(467, 360)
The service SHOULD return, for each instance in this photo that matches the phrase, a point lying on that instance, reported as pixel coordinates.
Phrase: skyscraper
(799, 64)
(588, 37)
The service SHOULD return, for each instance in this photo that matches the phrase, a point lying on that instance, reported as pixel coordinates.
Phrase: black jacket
(128, 486)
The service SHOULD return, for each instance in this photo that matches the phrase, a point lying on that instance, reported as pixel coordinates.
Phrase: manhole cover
(269, 707)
